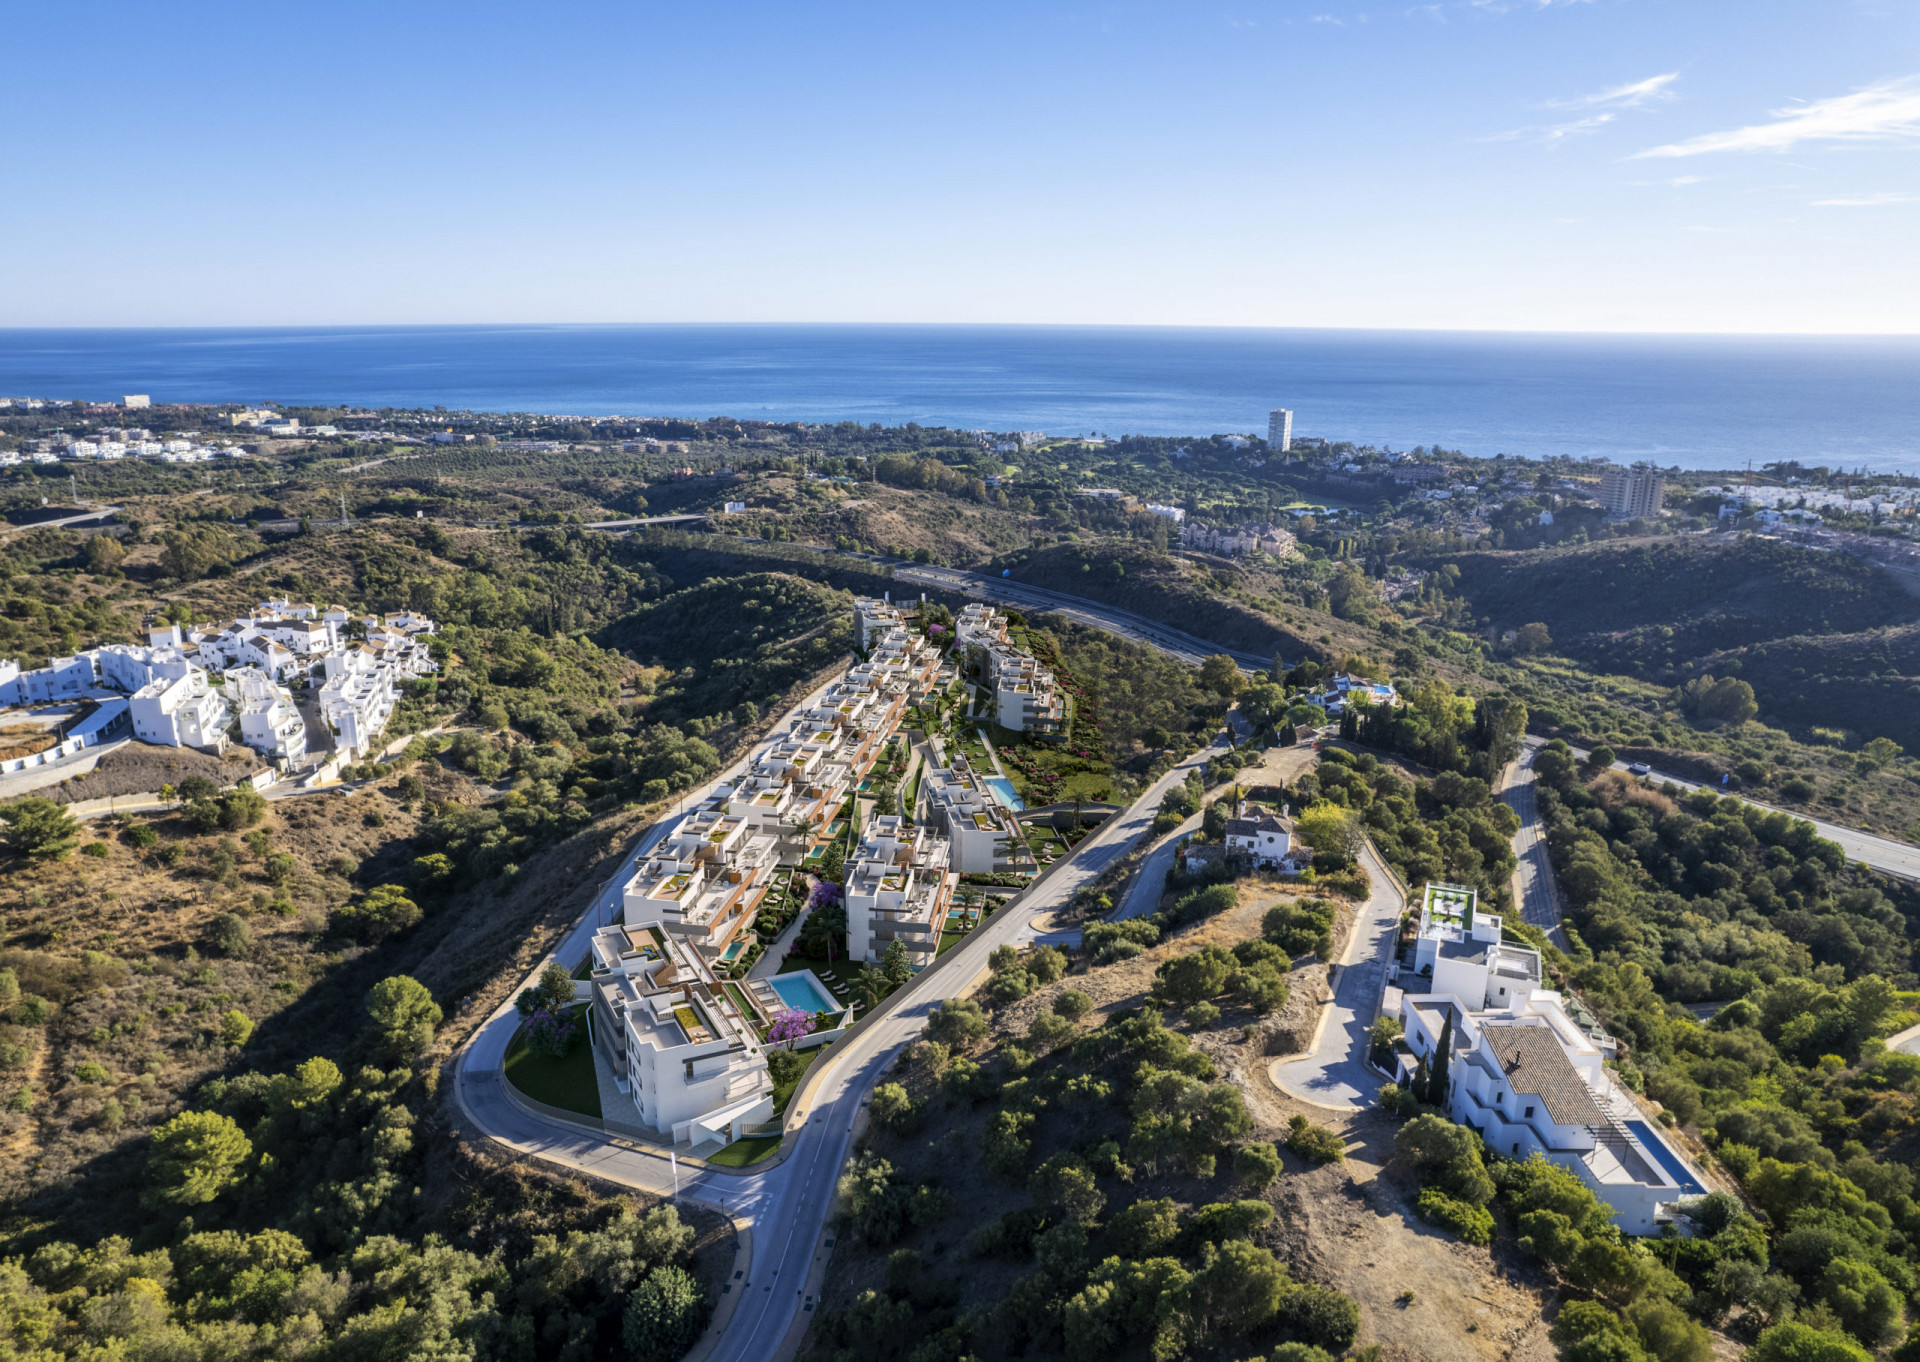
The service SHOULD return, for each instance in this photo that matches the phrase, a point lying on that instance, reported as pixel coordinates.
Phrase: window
(1529, 1111)
(1516, 1146)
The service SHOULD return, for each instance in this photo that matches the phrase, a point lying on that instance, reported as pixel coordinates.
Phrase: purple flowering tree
(550, 1031)
(791, 1025)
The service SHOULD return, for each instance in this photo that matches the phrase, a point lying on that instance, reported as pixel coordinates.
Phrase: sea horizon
(1695, 400)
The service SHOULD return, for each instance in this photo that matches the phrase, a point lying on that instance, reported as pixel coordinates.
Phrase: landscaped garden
(565, 1080)
(788, 1068)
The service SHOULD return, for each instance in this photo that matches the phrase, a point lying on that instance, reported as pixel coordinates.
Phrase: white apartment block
(181, 711)
(704, 883)
(269, 721)
(679, 1046)
(357, 699)
(1632, 493)
(873, 619)
(1026, 698)
(982, 834)
(899, 883)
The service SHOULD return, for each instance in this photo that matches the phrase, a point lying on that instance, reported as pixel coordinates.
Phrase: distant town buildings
(1236, 540)
(136, 400)
(1280, 430)
(1632, 493)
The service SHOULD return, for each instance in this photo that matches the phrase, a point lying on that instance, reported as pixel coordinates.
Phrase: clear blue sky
(1659, 165)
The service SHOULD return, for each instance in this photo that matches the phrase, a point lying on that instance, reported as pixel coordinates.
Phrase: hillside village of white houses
(207, 689)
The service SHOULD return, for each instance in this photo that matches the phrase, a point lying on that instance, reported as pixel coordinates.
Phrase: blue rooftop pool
(1004, 789)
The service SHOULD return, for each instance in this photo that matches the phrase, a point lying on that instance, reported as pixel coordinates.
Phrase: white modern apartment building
(678, 1045)
(982, 834)
(874, 618)
(181, 711)
(704, 883)
(269, 721)
(1026, 698)
(898, 886)
(1280, 430)
(356, 699)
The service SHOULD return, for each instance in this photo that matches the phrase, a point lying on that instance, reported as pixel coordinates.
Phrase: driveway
(1333, 1072)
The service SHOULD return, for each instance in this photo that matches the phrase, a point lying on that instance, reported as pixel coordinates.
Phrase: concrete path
(1333, 1071)
(1143, 896)
(768, 964)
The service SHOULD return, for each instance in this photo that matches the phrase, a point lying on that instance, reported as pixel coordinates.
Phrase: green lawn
(567, 1082)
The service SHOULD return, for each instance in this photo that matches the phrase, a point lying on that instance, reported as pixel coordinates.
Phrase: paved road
(787, 1205)
(1333, 1072)
(80, 519)
(1535, 887)
(1880, 853)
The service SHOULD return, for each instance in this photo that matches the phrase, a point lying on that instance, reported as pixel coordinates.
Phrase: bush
(1073, 1005)
(1315, 1144)
(1472, 1223)
(665, 1315)
(230, 935)
(783, 1066)
(958, 1024)
(380, 914)
(98, 850)
(1200, 1016)
(1256, 1165)
(894, 1110)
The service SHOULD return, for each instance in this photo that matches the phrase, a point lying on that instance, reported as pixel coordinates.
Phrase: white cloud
(1867, 201)
(1639, 94)
(1679, 180)
(1888, 112)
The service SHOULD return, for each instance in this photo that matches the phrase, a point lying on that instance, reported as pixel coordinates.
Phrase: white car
(1639, 768)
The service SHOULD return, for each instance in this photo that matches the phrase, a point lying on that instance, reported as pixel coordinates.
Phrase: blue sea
(1698, 402)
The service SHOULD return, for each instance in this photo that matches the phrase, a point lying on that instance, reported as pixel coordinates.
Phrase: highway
(786, 1205)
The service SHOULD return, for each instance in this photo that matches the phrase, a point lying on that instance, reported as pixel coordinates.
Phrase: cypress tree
(1442, 1053)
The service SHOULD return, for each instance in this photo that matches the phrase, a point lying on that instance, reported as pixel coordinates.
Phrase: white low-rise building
(182, 711)
(898, 885)
(1459, 951)
(357, 699)
(270, 723)
(678, 1044)
(1265, 838)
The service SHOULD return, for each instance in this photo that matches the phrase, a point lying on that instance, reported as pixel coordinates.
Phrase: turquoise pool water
(801, 990)
(733, 951)
(1668, 1159)
(1004, 788)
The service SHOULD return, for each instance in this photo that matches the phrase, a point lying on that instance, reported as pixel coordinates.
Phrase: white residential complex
(1522, 1072)
(1026, 698)
(678, 1043)
(187, 688)
(681, 1040)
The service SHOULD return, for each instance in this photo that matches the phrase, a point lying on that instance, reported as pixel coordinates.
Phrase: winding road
(785, 1205)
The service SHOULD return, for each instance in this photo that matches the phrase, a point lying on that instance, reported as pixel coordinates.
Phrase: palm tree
(869, 987)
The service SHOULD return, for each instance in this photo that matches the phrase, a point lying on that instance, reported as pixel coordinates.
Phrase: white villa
(678, 1045)
(1265, 838)
(899, 884)
(1524, 1074)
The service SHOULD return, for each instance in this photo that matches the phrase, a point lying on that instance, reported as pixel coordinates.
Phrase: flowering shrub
(791, 1025)
(551, 1031)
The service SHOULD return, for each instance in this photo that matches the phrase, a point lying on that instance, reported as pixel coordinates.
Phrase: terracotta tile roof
(1534, 1064)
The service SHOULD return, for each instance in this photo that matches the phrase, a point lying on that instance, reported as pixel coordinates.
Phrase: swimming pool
(732, 952)
(802, 990)
(1669, 1160)
(1004, 789)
